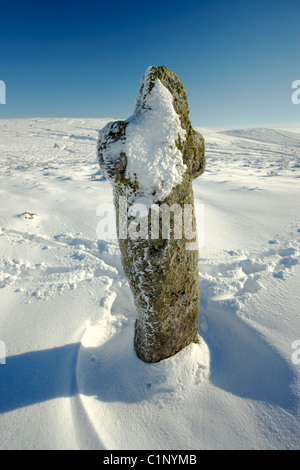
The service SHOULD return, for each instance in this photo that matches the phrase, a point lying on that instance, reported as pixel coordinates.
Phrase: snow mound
(145, 401)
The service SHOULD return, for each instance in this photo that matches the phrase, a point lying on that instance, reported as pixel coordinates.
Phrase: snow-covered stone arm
(154, 149)
(114, 164)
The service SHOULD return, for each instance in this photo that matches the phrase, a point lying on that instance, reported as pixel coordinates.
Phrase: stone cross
(151, 160)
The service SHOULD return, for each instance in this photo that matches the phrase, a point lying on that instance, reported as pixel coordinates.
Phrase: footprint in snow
(246, 274)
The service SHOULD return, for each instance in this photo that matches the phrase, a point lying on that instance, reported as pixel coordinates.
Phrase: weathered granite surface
(162, 273)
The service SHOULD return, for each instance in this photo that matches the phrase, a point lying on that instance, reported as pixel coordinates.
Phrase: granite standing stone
(162, 273)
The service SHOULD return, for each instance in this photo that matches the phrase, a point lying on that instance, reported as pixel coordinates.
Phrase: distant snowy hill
(271, 136)
(71, 378)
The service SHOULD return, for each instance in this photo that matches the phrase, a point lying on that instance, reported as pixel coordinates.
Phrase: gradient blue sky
(236, 59)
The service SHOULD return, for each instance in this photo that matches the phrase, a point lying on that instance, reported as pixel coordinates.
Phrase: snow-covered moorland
(71, 378)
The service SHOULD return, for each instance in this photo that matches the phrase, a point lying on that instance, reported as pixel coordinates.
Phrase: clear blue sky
(236, 59)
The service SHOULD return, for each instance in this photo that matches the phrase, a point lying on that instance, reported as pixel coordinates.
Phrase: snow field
(71, 378)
